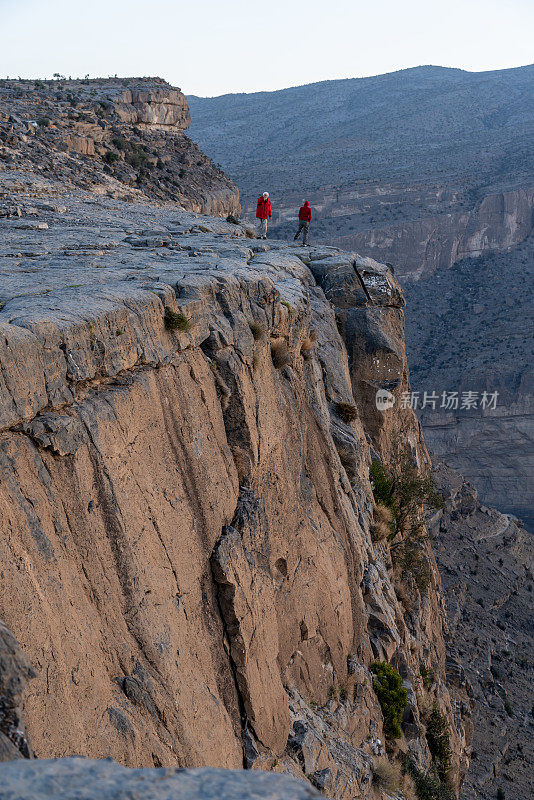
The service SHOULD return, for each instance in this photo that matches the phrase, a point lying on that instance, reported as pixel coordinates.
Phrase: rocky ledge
(83, 779)
(117, 137)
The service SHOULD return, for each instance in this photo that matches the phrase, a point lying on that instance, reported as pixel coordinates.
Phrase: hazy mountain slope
(469, 328)
(409, 124)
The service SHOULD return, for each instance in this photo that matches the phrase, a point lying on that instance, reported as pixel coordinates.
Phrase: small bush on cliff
(387, 775)
(232, 219)
(428, 785)
(402, 488)
(280, 353)
(347, 412)
(175, 321)
(392, 696)
(257, 330)
(437, 736)
(427, 674)
(410, 557)
(110, 157)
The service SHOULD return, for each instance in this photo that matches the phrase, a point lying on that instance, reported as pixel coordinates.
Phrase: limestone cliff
(119, 137)
(187, 418)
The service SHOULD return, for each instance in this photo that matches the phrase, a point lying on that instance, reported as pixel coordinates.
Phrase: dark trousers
(303, 226)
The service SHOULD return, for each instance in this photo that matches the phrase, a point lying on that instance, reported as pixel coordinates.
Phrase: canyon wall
(187, 558)
(419, 247)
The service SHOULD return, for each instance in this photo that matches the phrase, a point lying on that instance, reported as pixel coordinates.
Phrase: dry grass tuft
(308, 344)
(380, 531)
(347, 412)
(382, 523)
(242, 464)
(383, 514)
(257, 330)
(175, 321)
(387, 775)
(280, 353)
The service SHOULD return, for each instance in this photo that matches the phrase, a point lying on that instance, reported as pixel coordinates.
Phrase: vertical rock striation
(186, 505)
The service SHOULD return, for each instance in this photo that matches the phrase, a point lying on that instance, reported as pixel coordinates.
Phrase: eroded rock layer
(116, 137)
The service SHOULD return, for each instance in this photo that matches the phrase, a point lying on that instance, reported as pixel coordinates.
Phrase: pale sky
(211, 47)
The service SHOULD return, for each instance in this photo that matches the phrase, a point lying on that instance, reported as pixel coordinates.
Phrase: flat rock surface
(85, 779)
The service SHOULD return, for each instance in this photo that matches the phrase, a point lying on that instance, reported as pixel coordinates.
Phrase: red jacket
(263, 209)
(305, 212)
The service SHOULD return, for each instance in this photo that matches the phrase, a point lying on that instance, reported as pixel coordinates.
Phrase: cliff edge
(188, 417)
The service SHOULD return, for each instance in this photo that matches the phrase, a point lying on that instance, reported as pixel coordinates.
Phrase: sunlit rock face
(187, 559)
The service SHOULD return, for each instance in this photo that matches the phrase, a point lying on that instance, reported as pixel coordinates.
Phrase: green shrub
(403, 489)
(43, 122)
(428, 785)
(119, 143)
(175, 321)
(500, 793)
(427, 674)
(382, 484)
(110, 157)
(410, 556)
(392, 696)
(232, 219)
(437, 736)
(136, 156)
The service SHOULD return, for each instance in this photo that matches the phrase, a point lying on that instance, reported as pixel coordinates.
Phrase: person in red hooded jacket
(305, 215)
(263, 213)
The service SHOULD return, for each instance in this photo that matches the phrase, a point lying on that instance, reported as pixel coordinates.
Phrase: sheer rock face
(187, 558)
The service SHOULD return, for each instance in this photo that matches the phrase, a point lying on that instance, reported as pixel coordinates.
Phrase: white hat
(266, 194)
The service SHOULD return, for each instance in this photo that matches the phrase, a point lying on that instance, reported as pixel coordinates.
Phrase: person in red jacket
(305, 215)
(263, 213)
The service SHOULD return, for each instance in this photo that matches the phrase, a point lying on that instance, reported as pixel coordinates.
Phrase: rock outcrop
(185, 496)
(118, 137)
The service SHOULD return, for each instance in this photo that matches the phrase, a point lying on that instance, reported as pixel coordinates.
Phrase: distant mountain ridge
(377, 127)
